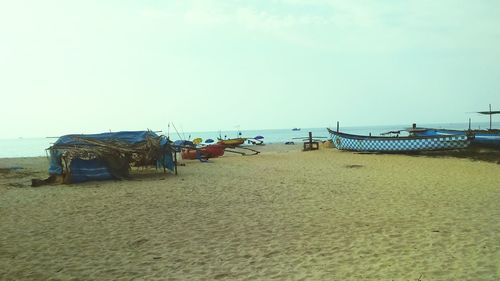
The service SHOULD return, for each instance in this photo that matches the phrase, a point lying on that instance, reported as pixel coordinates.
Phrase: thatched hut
(79, 158)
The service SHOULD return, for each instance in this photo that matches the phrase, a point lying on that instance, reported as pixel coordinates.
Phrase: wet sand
(281, 215)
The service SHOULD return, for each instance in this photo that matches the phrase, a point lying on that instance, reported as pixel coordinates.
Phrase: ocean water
(33, 147)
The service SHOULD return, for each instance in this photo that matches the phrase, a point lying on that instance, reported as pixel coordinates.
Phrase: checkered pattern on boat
(404, 144)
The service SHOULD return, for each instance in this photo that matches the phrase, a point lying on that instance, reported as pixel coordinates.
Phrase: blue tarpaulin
(131, 137)
(183, 143)
(179, 144)
(89, 170)
(99, 168)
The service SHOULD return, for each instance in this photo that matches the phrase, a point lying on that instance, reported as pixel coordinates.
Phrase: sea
(34, 147)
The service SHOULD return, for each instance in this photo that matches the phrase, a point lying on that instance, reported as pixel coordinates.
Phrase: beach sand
(281, 215)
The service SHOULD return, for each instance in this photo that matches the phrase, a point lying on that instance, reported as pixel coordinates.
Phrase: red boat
(209, 151)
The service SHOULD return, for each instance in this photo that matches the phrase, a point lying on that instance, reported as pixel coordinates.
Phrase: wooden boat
(343, 141)
(209, 151)
(232, 142)
(489, 138)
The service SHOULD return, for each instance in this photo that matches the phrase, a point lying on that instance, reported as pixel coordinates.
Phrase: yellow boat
(232, 142)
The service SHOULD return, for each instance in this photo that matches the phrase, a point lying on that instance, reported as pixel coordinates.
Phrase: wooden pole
(337, 126)
(490, 116)
(469, 124)
(175, 162)
(310, 140)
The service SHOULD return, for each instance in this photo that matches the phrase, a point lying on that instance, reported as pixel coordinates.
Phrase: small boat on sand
(209, 151)
(343, 141)
(232, 142)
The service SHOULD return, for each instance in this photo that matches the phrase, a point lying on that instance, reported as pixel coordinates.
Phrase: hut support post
(175, 162)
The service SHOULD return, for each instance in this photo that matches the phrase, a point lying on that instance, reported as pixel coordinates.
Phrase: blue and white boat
(489, 138)
(343, 141)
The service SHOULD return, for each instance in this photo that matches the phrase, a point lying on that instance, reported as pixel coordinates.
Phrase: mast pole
(490, 116)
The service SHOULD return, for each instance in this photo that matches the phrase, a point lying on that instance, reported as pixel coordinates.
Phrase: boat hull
(210, 151)
(232, 142)
(350, 142)
(481, 137)
(489, 137)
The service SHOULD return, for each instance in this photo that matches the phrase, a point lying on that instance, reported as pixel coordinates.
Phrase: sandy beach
(281, 215)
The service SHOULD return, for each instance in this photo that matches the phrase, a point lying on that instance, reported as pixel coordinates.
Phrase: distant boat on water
(343, 141)
(296, 129)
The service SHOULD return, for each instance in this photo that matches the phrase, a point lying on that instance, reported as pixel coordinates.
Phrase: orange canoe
(209, 151)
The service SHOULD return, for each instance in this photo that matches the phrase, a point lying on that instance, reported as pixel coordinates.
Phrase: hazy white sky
(90, 66)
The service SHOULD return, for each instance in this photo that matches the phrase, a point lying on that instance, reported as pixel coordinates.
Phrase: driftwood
(52, 179)
(254, 152)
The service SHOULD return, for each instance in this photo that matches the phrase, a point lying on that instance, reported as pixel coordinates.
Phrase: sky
(98, 65)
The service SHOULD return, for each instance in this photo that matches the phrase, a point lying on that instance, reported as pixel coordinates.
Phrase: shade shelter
(84, 157)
